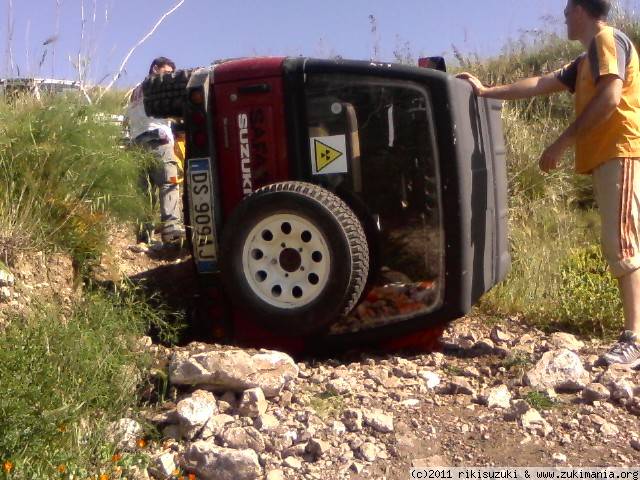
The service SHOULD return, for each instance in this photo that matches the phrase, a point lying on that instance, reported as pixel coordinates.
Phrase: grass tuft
(540, 400)
(65, 375)
(64, 175)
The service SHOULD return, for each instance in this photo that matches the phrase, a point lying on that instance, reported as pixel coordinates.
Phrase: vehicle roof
(260, 67)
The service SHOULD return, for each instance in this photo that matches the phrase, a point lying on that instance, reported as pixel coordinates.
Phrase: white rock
(217, 423)
(234, 370)
(622, 390)
(498, 397)
(194, 412)
(293, 462)
(210, 462)
(430, 462)
(241, 438)
(431, 379)
(595, 392)
(460, 386)
(368, 452)
(163, 465)
(6, 278)
(338, 428)
(275, 475)
(253, 403)
(291, 436)
(560, 370)
(559, 457)
(533, 421)
(125, 433)
(499, 335)
(338, 386)
(5, 294)
(608, 429)
(137, 473)
(378, 421)
(435, 359)
(266, 422)
(566, 340)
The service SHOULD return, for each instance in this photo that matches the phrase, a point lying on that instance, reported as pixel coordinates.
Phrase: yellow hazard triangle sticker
(325, 155)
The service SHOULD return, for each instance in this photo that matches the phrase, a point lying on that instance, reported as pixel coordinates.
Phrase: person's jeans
(164, 175)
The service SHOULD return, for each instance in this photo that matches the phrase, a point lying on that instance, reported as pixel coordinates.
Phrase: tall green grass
(64, 376)
(63, 175)
(67, 372)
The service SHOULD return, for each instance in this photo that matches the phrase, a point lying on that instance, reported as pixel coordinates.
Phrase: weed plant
(540, 400)
(65, 375)
(63, 175)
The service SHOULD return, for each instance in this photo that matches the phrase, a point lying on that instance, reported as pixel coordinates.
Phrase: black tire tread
(350, 224)
(165, 95)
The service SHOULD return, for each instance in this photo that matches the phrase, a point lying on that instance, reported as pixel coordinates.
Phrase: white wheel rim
(289, 276)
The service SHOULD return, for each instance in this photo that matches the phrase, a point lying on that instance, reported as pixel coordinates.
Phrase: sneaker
(625, 352)
(173, 235)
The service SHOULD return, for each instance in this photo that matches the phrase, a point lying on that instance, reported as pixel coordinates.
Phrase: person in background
(156, 135)
(605, 81)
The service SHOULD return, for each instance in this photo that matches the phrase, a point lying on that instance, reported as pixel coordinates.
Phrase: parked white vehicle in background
(36, 86)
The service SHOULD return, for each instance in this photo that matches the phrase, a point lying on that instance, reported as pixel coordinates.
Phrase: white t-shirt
(139, 122)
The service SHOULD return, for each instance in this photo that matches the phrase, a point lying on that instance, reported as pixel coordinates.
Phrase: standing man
(605, 80)
(155, 134)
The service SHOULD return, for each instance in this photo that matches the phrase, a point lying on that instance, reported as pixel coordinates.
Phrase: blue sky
(204, 30)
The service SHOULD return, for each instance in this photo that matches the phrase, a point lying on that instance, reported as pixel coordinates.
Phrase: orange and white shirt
(611, 53)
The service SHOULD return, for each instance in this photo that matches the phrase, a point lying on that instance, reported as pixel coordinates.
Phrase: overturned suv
(338, 201)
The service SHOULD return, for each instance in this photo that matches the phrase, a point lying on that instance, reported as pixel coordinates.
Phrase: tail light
(436, 63)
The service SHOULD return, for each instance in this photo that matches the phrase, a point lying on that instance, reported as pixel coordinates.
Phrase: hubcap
(286, 261)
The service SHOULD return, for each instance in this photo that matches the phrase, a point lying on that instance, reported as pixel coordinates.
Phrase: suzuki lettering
(245, 154)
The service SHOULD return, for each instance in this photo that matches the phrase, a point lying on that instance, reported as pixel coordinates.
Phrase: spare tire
(295, 257)
(165, 94)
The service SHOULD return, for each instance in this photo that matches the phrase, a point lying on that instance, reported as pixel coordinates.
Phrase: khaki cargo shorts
(616, 184)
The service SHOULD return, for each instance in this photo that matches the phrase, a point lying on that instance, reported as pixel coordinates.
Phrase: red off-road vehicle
(338, 202)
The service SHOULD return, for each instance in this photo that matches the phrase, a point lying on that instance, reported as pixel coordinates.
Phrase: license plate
(202, 217)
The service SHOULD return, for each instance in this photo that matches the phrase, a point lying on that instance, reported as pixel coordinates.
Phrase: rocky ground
(502, 394)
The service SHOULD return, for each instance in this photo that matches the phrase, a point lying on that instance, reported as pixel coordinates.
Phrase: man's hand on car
(478, 88)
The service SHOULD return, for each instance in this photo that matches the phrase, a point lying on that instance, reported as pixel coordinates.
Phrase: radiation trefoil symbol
(325, 155)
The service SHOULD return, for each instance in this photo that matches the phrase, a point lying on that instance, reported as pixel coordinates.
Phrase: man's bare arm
(597, 111)
(526, 88)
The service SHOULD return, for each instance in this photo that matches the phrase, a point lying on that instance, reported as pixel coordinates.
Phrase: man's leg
(617, 190)
(166, 178)
(630, 291)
